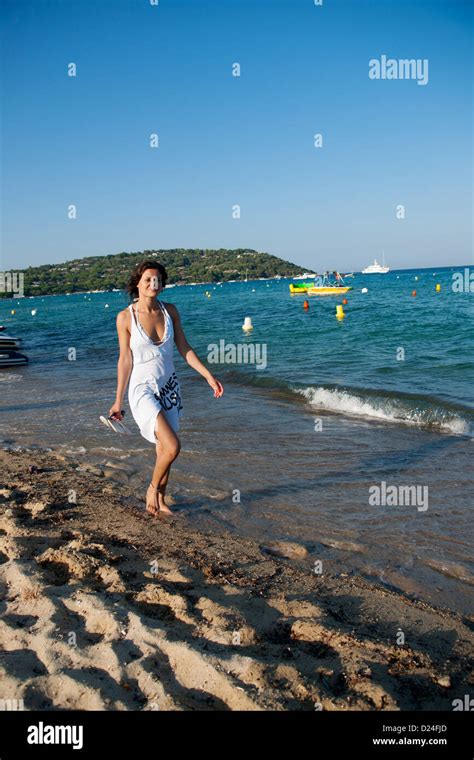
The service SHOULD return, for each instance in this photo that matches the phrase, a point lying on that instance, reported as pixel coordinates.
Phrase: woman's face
(150, 283)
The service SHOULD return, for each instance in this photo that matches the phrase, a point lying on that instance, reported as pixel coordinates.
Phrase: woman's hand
(116, 411)
(216, 386)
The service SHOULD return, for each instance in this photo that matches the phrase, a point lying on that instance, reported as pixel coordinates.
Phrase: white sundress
(154, 386)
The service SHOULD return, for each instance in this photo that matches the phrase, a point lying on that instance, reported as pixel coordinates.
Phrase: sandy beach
(104, 607)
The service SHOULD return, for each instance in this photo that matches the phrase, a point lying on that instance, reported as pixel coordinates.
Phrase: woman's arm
(188, 353)
(125, 363)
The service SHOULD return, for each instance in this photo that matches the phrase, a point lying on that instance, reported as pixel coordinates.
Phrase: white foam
(343, 402)
(78, 450)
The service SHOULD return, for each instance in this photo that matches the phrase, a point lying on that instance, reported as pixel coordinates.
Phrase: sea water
(326, 442)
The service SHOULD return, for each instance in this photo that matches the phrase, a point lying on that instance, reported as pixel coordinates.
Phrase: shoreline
(105, 607)
(180, 284)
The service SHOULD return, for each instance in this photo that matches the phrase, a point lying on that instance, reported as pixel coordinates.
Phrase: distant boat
(320, 290)
(305, 276)
(332, 285)
(10, 358)
(376, 268)
(6, 341)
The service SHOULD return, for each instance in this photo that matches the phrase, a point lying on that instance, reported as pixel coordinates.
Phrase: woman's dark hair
(136, 276)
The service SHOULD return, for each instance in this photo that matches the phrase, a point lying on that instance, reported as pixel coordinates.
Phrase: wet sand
(104, 607)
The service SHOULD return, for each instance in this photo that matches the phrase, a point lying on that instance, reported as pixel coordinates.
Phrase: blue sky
(245, 140)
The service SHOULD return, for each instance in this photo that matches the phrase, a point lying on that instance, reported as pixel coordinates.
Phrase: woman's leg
(168, 447)
(162, 486)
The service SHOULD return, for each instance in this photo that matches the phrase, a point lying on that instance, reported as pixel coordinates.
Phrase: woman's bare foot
(164, 507)
(152, 504)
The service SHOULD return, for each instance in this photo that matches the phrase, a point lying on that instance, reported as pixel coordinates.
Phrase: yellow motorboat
(329, 284)
(323, 290)
(328, 291)
(301, 288)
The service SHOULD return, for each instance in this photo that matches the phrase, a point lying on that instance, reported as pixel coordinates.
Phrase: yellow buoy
(438, 288)
(340, 311)
(12, 311)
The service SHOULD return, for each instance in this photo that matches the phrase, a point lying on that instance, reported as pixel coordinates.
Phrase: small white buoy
(416, 278)
(106, 305)
(364, 290)
(247, 326)
(253, 290)
(33, 312)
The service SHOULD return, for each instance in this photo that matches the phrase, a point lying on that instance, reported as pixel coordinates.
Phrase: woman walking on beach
(146, 330)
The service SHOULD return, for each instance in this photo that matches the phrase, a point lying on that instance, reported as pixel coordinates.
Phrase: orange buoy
(414, 293)
(344, 301)
(305, 305)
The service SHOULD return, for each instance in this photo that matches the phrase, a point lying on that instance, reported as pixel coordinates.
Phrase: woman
(146, 329)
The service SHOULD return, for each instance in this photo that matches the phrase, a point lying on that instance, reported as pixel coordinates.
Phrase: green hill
(182, 264)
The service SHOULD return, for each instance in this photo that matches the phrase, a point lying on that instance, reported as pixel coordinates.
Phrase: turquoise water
(351, 366)
(335, 407)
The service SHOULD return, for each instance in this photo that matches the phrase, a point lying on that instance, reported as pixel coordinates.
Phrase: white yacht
(305, 276)
(376, 268)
